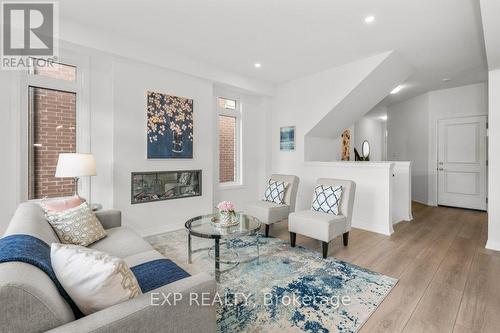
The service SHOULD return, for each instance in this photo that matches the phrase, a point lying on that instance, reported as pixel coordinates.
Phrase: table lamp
(75, 165)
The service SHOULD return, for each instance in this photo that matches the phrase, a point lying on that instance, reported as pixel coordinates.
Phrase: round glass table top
(205, 226)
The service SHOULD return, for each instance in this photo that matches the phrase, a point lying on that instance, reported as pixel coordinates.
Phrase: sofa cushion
(321, 226)
(94, 279)
(122, 242)
(267, 212)
(142, 257)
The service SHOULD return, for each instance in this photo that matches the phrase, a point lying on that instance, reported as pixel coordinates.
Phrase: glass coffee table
(205, 226)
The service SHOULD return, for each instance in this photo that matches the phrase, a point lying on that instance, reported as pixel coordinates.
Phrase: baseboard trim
(431, 204)
(492, 245)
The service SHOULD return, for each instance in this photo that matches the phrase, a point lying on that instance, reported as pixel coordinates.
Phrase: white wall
(412, 131)
(371, 130)
(306, 102)
(470, 100)
(494, 162)
(131, 81)
(117, 111)
(407, 140)
(9, 140)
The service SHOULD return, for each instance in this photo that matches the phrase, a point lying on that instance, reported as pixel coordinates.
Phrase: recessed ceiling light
(396, 90)
(257, 65)
(446, 79)
(369, 19)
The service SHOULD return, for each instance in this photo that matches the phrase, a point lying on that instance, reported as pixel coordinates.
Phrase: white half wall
(494, 162)
(372, 204)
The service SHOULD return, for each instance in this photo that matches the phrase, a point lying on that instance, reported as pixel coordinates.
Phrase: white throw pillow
(93, 279)
(275, 191)
(77, 225)
(326, 199)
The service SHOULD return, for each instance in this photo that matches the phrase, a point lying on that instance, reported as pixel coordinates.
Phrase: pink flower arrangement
(226, 206)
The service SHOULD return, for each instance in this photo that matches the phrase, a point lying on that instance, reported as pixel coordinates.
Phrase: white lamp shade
(75, 165)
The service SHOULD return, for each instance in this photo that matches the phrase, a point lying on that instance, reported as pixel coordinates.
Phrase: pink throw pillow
(59, 205)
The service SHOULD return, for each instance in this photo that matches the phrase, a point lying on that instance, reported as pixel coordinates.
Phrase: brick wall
(57, 71)
(54, 132)
(227, 145)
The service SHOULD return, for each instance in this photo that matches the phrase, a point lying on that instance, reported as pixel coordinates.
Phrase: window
(53, 70)
(229, 141)
(51, 127)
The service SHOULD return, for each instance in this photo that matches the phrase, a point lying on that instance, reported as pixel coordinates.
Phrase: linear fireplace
(165, 185)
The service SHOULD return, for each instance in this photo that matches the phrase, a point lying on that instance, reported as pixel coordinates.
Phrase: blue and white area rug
(287, 290)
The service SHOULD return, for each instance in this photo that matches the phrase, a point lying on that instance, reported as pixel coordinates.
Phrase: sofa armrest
(109, 218)
(146, 314)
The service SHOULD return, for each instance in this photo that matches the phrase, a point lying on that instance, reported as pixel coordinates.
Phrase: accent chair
(270, 212)
(325, 226)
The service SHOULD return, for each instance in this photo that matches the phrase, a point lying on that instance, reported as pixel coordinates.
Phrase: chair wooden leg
(346, 238)
(325, 250)
(293, 237)
(267, 230)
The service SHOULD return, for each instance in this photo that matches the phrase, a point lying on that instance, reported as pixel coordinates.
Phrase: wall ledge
(351, 164)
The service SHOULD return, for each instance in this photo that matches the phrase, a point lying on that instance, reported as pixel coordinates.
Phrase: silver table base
(231, 257)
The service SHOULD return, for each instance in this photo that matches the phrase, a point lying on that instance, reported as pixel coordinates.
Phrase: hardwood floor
(448, 281)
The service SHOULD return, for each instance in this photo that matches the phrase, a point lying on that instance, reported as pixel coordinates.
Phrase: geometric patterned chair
(270, 212)
(324, 226)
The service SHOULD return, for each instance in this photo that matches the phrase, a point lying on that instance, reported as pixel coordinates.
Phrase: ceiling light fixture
(396, 90)
(369, 19)
(257, 65)
(446, 79)
(383, 118)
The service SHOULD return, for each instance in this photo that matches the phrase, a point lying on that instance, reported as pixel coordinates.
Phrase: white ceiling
(293, 38)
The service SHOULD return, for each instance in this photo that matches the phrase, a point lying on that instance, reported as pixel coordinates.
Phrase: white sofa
(30, 301)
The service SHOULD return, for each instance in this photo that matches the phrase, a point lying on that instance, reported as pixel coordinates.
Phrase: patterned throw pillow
(93, 279)
(275, 191)
(326, 199)
(77, 225)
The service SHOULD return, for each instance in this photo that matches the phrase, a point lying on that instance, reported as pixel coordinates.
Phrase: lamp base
(76, 187)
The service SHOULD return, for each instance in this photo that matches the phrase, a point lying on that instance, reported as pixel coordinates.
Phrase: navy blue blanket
(31, 250)
(157, 273)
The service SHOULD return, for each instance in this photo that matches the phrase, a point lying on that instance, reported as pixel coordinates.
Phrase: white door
(462, 162)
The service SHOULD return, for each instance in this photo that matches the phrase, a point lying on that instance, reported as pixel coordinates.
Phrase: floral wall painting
(346, 145)
(287, 138)
(170, 126)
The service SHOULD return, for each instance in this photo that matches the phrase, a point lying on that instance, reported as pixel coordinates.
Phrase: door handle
(440, 169)
(441, 163)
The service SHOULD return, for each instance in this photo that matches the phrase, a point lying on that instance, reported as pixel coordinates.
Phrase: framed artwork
(169, 126)
(287, 138)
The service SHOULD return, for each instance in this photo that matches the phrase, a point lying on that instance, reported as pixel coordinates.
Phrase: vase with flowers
(227, 214)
